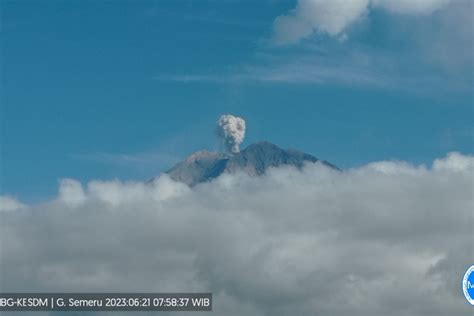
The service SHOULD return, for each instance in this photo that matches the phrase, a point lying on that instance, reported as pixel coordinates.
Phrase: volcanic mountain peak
(203, 166)
(204, 155)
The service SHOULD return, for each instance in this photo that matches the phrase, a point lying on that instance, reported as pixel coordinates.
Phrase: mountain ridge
(255, 159)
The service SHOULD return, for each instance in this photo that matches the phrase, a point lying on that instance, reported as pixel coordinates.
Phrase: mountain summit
(204, 166)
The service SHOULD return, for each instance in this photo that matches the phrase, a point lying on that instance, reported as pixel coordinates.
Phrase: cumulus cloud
(71, 192)
(232, 131)
(388, 238)
(8, 203)
(334, 16)
(330, 17)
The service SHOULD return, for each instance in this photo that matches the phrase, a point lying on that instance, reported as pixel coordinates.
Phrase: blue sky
(124, 89)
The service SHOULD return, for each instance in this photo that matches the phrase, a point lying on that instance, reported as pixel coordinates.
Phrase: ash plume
(231, 129)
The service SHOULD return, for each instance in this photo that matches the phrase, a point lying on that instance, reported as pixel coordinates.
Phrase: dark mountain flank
(204, 166)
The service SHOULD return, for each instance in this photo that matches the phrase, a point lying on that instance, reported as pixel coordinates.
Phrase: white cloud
(8, 203)
(71, 192)
(333, 17)
(411, 6)
(455, 162)
(141, 159)
(330, 17)
(388, 238)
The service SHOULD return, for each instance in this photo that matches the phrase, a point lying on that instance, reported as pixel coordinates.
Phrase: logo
(468, 285)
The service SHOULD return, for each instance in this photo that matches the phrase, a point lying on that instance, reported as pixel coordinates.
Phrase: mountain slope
(204, 166)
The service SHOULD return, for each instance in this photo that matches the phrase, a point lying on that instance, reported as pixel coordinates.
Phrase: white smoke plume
(232, 131)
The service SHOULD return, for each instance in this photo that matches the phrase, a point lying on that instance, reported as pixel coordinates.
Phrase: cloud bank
(332, 17)
(388, 238)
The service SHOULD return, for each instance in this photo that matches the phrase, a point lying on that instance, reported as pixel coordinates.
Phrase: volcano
(203, 166)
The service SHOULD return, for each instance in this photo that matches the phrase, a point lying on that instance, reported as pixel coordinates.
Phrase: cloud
(333, 17)
(360, 68)
(452, 44)
(432, 55)
(8, 203)
(388, 238)
(410, 6)
(330, 17)
(129, 159)
(313, 67)
(71, 192)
